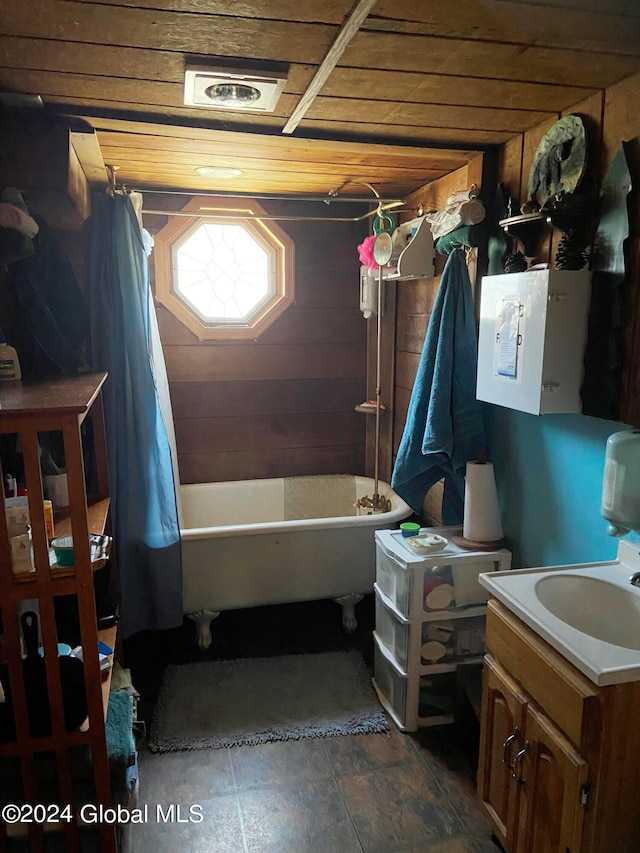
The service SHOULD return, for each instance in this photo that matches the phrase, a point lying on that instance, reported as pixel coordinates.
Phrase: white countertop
(602, 662)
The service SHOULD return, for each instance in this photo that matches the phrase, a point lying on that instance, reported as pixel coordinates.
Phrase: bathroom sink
(590, 613)
(594, 606)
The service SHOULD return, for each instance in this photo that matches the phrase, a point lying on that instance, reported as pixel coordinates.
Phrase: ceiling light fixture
(232, 94)
(218, 172)
(232, 89)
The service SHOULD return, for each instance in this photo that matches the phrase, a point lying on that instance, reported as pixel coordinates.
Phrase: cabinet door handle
(517, 771)
(515, 736)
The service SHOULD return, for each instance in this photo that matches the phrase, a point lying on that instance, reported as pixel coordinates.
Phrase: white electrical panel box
(533, 332)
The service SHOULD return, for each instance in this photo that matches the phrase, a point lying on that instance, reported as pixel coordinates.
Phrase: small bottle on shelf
(9, 361)
(10, 486)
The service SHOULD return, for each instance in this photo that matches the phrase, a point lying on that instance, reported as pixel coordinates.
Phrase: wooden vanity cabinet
(503, 706)
(551, 779)
(559, 761)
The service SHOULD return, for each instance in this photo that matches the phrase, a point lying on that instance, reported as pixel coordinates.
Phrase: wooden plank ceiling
(420, 89)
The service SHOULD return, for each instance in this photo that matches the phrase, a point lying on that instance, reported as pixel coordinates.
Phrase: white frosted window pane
(187, 278)
(223, 272)
(197, 246)
(257, 282)
(232, 233)
(259, 265)
(246, 300)
(232, 310)
(214, 233)
(216, 310)
(224, 256)
(199, 295)
(224, 288)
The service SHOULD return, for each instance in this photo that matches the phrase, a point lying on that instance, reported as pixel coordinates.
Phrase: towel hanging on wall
(444, 427)
(465, 236)
(462, 208)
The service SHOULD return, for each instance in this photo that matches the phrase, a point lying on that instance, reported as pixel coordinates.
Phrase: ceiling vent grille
(224, 89)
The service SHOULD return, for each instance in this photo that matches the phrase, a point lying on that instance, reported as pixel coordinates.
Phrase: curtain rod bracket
(113, 189)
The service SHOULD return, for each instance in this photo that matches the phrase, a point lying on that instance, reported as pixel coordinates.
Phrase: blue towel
(121, 747)
(444, 428)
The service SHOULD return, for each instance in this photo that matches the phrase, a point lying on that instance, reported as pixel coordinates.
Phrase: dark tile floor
(377, 793)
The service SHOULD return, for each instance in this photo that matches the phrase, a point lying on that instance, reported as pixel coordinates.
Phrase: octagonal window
(223, 272)
(222, 275)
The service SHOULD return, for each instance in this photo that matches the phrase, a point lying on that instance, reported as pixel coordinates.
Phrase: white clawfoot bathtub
(255, 542)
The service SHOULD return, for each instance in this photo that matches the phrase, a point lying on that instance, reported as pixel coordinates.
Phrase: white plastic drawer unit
(436, 695)
(452, 640)
(531, 341)
(414, 702)
(438, 639)
(445, 581)
(390, 684)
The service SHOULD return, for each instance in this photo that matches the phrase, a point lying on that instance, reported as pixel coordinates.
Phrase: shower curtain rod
(327, 199)
(229, 214)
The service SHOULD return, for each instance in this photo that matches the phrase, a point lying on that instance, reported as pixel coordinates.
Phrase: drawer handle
(517, 763)
(506, 757)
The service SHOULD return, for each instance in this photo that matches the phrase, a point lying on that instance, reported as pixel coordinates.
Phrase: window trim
(269, 232)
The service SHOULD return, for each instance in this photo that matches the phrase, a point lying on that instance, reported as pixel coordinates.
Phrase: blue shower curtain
(143, 496)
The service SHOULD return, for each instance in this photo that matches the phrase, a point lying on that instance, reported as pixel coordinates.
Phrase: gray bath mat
(255, 700)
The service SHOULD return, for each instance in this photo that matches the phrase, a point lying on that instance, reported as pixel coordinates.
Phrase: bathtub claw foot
(203, 620)
(348, 604)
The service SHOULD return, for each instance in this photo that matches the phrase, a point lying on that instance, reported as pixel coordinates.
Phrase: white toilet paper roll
(482, 521)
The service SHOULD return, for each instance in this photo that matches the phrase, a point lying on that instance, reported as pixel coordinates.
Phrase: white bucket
(57, 490)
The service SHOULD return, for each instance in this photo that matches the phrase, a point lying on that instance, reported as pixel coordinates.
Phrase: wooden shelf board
(449, 664)
(58, 573)
(69, 571)
(64, 395)
(521, 219)
(97, 513)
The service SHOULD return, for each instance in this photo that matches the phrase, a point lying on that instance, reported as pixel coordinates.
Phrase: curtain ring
(379, 223)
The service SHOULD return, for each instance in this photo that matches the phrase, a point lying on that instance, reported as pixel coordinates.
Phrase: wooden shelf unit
(26, 409)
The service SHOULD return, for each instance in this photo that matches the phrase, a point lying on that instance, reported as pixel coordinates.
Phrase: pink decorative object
(365, 251)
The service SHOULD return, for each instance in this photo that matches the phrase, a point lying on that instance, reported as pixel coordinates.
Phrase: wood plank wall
(610, 118)
(284, 404)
